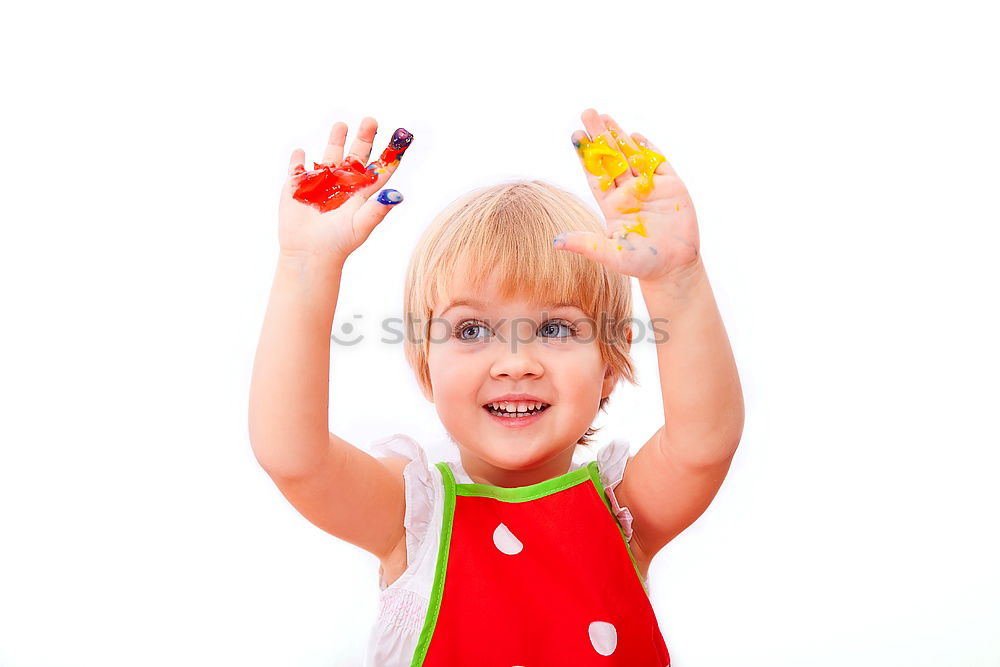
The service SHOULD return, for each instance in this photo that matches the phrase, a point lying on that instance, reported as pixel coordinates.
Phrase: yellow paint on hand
(638, 228)
(644, 161)
(601, 160)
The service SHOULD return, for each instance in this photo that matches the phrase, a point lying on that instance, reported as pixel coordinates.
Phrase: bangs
(510, 237)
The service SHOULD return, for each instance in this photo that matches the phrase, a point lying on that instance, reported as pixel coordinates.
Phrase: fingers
(595, 126)
(664, 167)
(590, 244)
(361, 148)
(623, 141)
(592, 179)
(374, 211)
(295, 164)
(605, 155)
(334, 151)
(389, 160)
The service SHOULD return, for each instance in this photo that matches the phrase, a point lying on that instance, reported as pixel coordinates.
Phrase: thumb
(588, 244)
(374, 210)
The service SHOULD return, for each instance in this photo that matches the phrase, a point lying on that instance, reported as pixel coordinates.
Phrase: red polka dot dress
(538, 575)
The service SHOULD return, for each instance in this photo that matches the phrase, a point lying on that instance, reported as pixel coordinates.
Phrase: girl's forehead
(520, 304)
(486, 293)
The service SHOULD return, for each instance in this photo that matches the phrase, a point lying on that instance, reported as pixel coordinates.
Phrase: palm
(652, 228)
(303, 228)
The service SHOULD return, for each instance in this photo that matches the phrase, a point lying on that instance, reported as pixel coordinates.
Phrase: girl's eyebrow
(479, 305)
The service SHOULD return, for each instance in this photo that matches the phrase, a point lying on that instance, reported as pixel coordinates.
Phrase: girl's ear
(610, 380)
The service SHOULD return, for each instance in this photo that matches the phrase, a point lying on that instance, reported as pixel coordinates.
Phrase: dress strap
(448, 477)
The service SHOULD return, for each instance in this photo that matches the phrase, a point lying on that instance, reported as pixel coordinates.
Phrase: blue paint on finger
(389, 197)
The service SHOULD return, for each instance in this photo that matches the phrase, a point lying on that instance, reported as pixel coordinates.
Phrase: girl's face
(483, 348)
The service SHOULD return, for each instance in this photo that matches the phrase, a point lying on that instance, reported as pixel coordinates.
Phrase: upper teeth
(517, 406)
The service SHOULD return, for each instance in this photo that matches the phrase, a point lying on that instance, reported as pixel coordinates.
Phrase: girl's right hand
(304, 231)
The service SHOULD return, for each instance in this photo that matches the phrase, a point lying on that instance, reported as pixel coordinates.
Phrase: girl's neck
(481, 472)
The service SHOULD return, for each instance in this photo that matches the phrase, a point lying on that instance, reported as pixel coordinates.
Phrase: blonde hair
(509, 227)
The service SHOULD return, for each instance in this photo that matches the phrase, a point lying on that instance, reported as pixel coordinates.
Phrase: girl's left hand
(652, 227)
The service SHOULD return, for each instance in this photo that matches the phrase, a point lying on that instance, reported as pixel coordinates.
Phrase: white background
(843, 160)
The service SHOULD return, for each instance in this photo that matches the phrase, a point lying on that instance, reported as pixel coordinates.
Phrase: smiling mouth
(515, 415)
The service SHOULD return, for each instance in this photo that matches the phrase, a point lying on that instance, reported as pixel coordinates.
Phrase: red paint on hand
(327, 187)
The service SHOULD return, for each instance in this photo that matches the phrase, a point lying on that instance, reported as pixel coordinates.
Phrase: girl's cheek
(439, 333)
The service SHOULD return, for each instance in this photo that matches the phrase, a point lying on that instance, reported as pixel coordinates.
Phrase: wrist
(311, 261)
(677, 278)
(312, 271)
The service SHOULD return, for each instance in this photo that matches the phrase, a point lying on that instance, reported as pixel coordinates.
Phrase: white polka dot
(505, 541)
(604, 637)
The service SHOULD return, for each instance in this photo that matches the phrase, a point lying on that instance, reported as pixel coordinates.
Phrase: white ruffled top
(403, 605)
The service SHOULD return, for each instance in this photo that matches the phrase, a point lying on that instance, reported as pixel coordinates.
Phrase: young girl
(518, 318)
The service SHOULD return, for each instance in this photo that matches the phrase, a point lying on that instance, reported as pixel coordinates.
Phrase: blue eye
(465, 326)
(551, 326)
(560, 323)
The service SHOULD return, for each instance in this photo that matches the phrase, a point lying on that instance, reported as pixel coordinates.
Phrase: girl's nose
(516, 359)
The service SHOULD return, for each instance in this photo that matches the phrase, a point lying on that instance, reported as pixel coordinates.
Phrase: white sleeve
(419, 489)
(611, 460)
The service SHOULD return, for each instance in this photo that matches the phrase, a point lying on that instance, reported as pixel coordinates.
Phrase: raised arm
(653, 236)
(699, 382)
(290, 387)
(324, 215)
